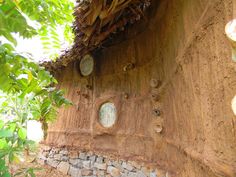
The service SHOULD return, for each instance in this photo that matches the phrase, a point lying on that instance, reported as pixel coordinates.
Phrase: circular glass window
(230, 30)
(86, 65)
(107, 114)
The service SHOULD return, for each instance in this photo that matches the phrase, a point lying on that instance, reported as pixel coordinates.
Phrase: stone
(153, 174)
(87, 164)
(42, 157)
(76, 163)
(100, 173)
(141, 174)
(45, 148)
(86, 172)
(117, 165)
(74, 172)
(82, 156)
(123, 175)
(55, 150)
(63, 167)
(127, 166)
(45, 154)
(100, 166)
(95, 172)
(132, 174)
(91, 165)
(120, 161)
(52, 162)
(135, 165)
(79, 163)
(108, 162)
(65, 158)
(90, 153)
(73, 154)
(92, 158)
(113, 171)
(64, 152)
(100, 159)
(50, 156)
(57, 157)
(73, 162)
(145, 171)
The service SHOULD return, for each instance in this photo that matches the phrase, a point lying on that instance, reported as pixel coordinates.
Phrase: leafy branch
(27, 91)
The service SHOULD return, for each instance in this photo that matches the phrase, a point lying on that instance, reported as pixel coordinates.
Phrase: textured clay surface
(174, 106)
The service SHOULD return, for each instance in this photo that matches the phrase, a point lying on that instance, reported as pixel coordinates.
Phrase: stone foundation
(88, 164)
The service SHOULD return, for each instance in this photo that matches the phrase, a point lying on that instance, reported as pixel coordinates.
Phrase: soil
(44, 171)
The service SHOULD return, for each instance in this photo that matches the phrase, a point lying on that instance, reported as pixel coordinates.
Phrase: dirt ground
(45, 171)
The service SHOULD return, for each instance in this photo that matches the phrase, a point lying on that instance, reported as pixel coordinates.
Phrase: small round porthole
(86, 65)
(107, 114)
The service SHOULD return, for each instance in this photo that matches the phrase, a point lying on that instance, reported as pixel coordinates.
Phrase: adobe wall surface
(183, 45)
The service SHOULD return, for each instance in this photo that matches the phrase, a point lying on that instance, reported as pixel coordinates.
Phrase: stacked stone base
(88, 164)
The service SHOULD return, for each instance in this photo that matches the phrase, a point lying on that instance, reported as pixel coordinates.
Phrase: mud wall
(183, 45)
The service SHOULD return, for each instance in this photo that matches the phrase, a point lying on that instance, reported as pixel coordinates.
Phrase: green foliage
(8, 23)
(27, 91)
(48, 16)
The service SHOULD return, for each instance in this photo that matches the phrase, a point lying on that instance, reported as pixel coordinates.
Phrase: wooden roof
(95, 21)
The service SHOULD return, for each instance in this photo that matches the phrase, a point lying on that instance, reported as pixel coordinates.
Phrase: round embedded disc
(107, 114)
(230, 30)
(86, 65)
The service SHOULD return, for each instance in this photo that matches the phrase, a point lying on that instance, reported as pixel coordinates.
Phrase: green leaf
(22, 133)
(6, 133)
(1, 124)
(12, 126)
(6, 174)
(9, 47)
(3, 143)
(8, 36)
(30, 76)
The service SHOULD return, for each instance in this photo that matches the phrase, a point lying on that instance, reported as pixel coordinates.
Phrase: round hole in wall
(107, 114)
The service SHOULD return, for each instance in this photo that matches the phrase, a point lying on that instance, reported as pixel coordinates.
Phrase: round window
(107, 114)
(86, 65)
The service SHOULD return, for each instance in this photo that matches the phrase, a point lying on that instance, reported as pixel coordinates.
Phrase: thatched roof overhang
(95, 21)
